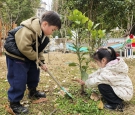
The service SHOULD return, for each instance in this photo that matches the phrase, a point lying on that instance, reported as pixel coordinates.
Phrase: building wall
(41, 9)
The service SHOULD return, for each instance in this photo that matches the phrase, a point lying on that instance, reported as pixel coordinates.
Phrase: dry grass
(57, 64)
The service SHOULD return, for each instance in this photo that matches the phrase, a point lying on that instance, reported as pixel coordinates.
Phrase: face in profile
(48, 29)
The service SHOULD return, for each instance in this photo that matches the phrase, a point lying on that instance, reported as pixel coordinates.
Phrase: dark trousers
(19, 75)
(109, 95)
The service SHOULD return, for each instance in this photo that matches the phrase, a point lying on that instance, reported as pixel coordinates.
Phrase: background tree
(62, 8)
(110, 14)
(14, 11)
(117, 13)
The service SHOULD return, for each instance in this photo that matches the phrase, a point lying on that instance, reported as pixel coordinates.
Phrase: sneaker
(34, 94)
(107, 106)
(18, 108)
(119, 107)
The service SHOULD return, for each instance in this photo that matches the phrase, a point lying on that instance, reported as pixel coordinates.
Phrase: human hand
(44, 67)
(79, 81)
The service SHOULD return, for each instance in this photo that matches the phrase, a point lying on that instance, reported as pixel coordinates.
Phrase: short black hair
(52, 18)
(108, 53)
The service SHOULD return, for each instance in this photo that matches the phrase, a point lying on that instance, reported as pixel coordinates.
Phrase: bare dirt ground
(57, 64)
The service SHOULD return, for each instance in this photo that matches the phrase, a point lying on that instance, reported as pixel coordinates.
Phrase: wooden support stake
(0, 38)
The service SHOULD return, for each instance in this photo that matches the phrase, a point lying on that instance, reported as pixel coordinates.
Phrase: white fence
(127, 53)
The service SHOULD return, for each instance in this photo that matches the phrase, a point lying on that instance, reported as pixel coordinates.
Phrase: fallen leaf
(9, 110)
(55, 87)
(40, 113)
(24, 102)
(47, 75)
(46, 86)
(75, 79)
(47, 90)
(26, 105)
(100, 105)
(61, 93)
(63, 81)
(39, 100)
(94, 96)
(56, 105)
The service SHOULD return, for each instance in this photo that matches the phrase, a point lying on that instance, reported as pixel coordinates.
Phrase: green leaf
(101, 33)
(84, 20)
(77, 22)
(77, 12)
(94, 34)
(72, 64)
(96, 25)
(90, 24)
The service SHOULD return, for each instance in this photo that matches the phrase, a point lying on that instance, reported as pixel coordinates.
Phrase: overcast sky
(48, 2)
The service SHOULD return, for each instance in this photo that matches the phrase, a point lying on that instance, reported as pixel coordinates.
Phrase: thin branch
(53, 111)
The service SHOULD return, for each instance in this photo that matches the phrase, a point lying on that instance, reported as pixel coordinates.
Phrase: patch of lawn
(56, 104)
